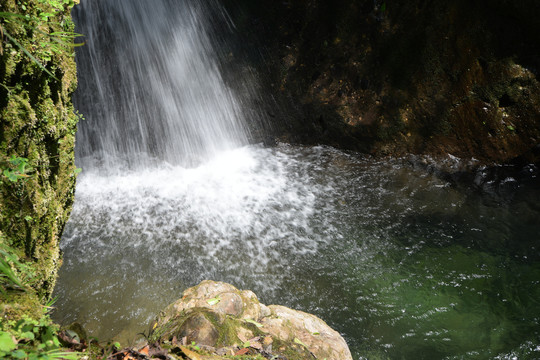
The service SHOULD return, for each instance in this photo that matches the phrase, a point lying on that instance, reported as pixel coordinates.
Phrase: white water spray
(150, 84)
(169, 194)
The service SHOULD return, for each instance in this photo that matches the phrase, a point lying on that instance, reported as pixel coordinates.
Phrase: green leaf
(213, 301)
(27, 326)
(72, 334)
(6, 342)
(59, 354)
(6, 271)
(511, 128)
(11, 15)
(11, 175)
(19, 354)
(254, 323)
(28, 335)
(49, 338)
(51, 302)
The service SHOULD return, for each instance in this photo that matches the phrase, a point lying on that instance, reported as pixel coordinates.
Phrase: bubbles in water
(399, 260)
(246, 216)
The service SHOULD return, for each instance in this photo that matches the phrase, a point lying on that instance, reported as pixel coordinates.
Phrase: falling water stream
(405, 261)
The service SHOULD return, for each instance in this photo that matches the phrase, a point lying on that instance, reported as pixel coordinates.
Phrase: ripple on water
(401, 261)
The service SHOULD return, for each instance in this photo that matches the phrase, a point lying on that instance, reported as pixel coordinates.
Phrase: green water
(430, 268)
(405, 261)
(444, 302)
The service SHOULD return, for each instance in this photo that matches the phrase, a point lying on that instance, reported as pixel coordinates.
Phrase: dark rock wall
(394, 77)
(37, 122)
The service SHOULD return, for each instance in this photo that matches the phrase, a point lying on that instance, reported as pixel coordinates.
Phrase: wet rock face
(392, 77)
(225, 320)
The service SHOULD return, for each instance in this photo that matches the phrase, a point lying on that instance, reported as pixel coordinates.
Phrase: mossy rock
(37, 122)
(219, 318)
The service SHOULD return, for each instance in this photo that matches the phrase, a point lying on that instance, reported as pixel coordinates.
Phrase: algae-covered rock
(37, 129)
(224, 319)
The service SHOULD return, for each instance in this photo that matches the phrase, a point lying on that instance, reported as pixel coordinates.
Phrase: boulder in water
(218, 318)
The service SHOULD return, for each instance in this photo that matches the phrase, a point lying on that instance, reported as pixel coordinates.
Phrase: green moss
(228, 328)
(37, 121)
(227, 331)
(16, 305)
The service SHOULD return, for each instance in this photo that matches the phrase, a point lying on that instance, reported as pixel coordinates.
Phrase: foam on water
(214, 210)
(247, 216)
(398, 259)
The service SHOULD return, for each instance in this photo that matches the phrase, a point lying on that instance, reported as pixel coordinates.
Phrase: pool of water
(404, 261)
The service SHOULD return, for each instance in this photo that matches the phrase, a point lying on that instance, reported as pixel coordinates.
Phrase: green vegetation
(26, 331)
(51, 42)
(32, 339)
(19, 170)
(10, 268)
(37, 171)
(37, 128)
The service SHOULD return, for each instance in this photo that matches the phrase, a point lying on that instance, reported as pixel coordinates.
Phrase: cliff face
(384, 77)
(37, 128)
(392, 77)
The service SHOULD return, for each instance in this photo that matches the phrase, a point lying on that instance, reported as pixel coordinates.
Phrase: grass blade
(23, 49)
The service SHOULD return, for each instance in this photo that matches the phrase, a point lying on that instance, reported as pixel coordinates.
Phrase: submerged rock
(217, 318)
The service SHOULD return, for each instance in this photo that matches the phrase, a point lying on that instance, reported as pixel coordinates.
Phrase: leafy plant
(6, 272)
(15, 274)
(19, 169)
(10, 267)
(32, 339)
(26, 338)
(50, 42)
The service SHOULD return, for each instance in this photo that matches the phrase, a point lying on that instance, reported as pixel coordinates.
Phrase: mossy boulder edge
(223, 320)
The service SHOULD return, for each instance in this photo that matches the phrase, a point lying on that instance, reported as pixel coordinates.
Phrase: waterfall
(150, 86)
(401, 260)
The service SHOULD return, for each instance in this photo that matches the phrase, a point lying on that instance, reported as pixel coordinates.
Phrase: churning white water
(237, 213)
(247, 217)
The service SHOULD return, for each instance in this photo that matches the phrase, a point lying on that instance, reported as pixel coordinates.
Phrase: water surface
(405, 262)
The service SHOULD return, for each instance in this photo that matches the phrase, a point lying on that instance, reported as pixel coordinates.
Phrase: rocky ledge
(215, 320)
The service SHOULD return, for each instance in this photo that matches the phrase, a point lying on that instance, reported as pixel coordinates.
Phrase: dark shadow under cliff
(399, 76)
